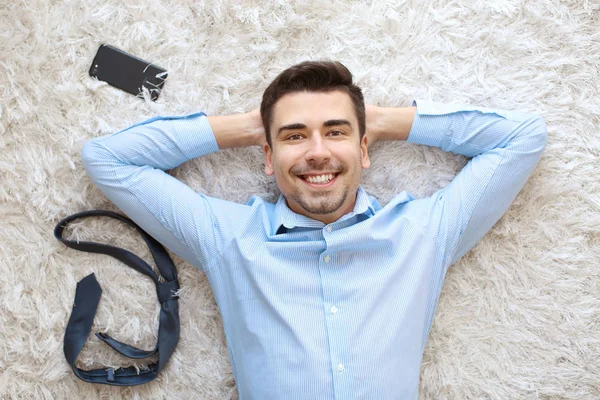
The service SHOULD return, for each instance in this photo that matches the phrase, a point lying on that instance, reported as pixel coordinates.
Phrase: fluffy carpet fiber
(519, 315)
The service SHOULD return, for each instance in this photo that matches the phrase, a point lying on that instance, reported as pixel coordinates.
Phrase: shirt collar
(284, 216)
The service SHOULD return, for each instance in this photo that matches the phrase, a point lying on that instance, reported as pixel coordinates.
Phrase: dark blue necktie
(87, 297)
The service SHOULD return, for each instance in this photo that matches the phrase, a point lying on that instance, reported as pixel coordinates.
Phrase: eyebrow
(328, 123)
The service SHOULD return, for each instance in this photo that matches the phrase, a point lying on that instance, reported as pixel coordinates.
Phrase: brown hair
(312, 76)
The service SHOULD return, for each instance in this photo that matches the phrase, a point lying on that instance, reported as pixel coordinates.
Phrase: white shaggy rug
(519, 315)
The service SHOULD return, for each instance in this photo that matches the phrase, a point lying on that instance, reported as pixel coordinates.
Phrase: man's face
(315, 137)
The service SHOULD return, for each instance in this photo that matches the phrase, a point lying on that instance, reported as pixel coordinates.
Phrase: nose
(317, 148)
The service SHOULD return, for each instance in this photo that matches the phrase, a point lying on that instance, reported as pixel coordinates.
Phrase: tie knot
(167, 291)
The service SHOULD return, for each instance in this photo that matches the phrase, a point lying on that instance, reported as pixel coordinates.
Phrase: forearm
(167, 142)
(471, 130)
(389, 123)
(159, 142)
(238, 130)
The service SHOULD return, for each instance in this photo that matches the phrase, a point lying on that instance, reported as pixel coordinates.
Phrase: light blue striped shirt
(315, 311)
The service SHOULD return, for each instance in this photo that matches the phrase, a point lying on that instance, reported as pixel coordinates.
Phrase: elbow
(90, 153)
(537, 133)
(96, 158)
(541, 129)
(542, 132)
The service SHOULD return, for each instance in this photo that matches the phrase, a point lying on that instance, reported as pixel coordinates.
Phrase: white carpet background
(519, 315)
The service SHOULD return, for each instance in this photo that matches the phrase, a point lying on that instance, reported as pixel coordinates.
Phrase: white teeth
(320, 178)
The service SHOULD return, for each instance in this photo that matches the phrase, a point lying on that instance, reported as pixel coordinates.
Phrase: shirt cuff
(194, 134)
(431, 125)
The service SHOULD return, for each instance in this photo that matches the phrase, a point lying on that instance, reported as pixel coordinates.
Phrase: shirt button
(329, 229)
(340, 367)
(334, 310)
(327, 258)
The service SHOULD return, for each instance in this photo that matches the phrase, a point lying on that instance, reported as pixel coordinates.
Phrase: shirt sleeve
(129, 168)
(505, 147)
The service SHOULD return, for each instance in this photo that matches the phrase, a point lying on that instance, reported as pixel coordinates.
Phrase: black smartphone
(127, 72)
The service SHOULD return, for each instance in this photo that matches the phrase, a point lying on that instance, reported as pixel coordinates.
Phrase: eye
(336, 133)
(295, 136)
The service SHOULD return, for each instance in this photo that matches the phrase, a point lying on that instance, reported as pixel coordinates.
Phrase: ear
(364, 155)
(268, 159)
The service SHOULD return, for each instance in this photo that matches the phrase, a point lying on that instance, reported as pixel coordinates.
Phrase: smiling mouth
(319, 180)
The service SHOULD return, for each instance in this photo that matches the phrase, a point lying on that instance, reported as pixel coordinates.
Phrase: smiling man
(325, 294)
(318, 160)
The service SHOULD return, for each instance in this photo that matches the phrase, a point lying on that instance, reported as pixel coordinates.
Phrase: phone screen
(127, 72)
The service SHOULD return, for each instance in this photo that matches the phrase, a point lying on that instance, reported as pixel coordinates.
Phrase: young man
(325, 294)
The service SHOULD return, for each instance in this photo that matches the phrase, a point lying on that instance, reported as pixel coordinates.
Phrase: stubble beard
(320, 203)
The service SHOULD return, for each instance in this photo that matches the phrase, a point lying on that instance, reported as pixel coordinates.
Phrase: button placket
(334, 321)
